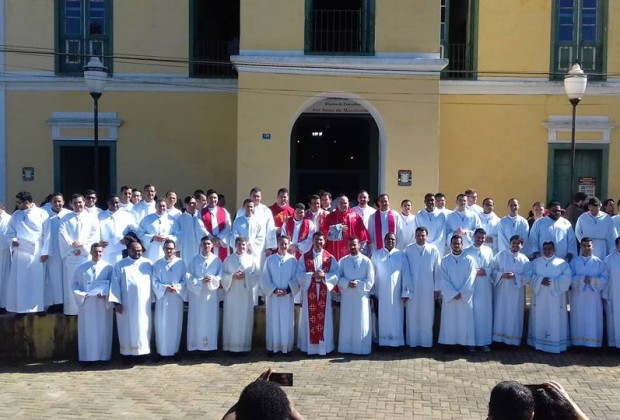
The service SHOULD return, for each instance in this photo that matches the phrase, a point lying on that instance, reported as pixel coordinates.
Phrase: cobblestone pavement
(392, 384)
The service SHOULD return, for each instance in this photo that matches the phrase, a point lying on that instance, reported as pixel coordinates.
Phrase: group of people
(385, 269)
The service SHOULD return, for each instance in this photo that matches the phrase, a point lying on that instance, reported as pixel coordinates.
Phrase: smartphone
(282, 378)
(534, 387)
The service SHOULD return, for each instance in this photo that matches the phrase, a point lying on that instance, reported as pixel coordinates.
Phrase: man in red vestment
(300, 230)
(217, 223)
(281, 210)
(343, 224)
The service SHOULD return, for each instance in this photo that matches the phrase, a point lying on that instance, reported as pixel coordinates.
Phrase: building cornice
(296, 62)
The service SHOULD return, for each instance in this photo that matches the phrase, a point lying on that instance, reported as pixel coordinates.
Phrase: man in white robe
(217, 224)
(511, 272)
(25, 288)
(462, 222)
(169, 289)
(279, 285)
(145, 206)
(203, 319)
(548, 325)
(383, 221)
(391, 268)
(125, 196)
(434, 221)
(130, 291)
(77, 232)
(51, 253)
(553, 228)
(364, 210)
(5, 255)
(91, 288)
(357, 276)
(189, 229)
(586, 305)
(598, 226)
(114, 224)
(90, 204)
(155, 229)
(317, 275)
(422, 286)
(483, 290)
(171, 204)
(239, 276)
(490, 221)
(510, 225)
(458, 274)
(407, 222)
(472, 201)
(315, 213)
(300, 230)
(264, 217)
(440, 204)
(611, 296)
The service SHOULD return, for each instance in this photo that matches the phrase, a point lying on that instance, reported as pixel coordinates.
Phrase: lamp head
(575, 83)
(95, 76)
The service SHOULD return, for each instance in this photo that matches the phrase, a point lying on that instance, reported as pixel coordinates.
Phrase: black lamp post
(95, 75)
(575, 83)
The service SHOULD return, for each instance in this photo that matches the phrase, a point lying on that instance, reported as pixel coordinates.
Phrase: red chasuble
(356, 226)
(207, 219)
(317, 302)
(281, 214)
(379, 235)
(304, 229)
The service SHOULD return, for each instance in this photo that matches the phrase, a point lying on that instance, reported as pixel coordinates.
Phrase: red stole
(304, 229)
(317, 303)
(391, 227)
(207, 219)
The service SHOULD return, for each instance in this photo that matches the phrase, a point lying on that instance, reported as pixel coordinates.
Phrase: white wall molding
(108, 121)
(593, 124)
(522, 86)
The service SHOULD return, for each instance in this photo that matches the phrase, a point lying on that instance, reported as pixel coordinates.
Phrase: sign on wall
(587, 184)
(337, 106)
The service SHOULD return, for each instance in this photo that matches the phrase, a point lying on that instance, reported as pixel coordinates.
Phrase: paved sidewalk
(392, 384)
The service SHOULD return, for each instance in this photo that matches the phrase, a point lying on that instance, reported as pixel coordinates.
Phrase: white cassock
(304, 245)
(113, 227)
(51, 247)
(279, 273)
(95, 315)
(203, 319)
(467, 220)
(75, 227)
(510, 226)
(611, 294)
(391, 268)
(25, 288)
(305, 272)
(475, 208)
(378, 227)
(435, 223)
(424, 280)
(408, 227)
(560, 232)
(131, 287)
(509, 296)
(490, 221)
(221, 233)
(254, 231)
(154, 224)
(264, 217)
(458, 275)
(5, 256)
(174, 212)
(616, 222)
(142, 209)
(600, 229)
(238, 302)
(189, 230)
(168, 320)
(364, 213)
(586, 305)
(355, 334)
(548, 325)
(483, 295)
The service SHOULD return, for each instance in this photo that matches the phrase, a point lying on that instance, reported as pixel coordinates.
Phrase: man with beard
(340, 225)
(433, 220)
(553, 228)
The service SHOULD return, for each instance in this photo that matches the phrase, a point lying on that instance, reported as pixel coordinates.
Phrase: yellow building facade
(398, 96)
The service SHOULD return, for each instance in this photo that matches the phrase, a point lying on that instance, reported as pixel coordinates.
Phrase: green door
(590, 166)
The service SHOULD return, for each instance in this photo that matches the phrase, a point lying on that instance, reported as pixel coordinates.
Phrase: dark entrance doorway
(337, 153)
(73, 169)
(590, 163)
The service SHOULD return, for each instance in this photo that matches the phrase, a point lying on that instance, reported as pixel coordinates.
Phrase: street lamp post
(95, 75)
(575, 83)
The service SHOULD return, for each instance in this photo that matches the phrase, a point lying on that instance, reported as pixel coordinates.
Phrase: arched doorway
(334, 151)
